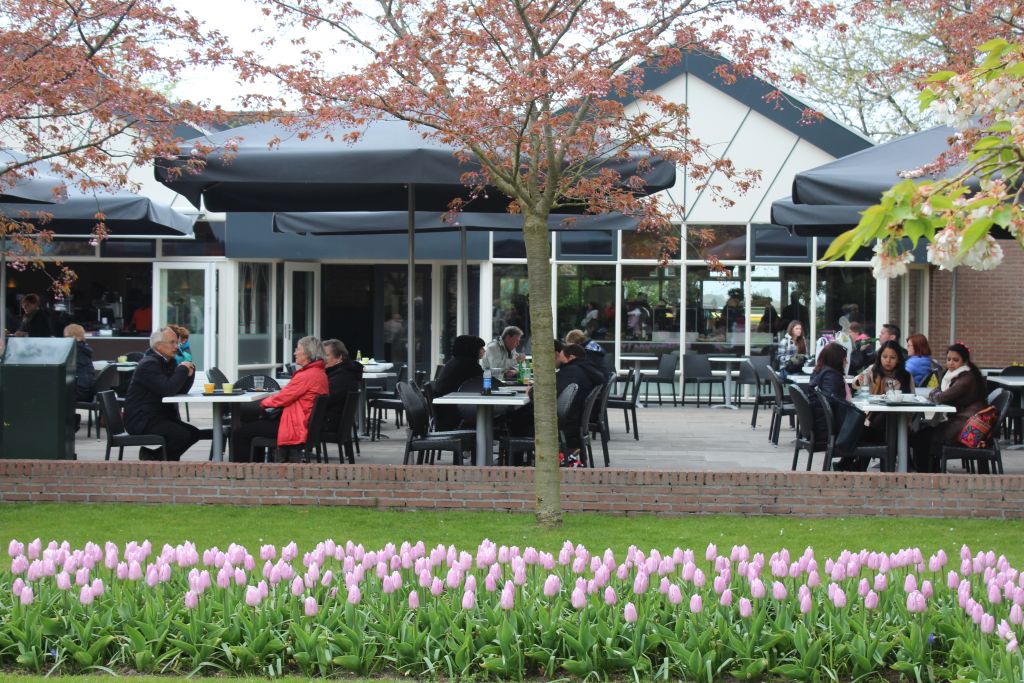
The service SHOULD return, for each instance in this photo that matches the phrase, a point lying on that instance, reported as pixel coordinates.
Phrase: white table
(802, 379)
(637, 360)
(361, 411)
(217, 402)
(727, 361)
(902, 415)
(484, 416)
(1014, 383)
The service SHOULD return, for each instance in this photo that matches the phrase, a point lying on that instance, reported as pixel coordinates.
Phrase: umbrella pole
(410, 311)
(952, 310)
(463, 284)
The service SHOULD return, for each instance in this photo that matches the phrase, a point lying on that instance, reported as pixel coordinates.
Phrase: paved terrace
(671, 438)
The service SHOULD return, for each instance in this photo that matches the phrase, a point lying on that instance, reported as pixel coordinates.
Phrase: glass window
(208, 241)
(511, 304)
(647, 245)
(778, 294)
(509, 244)
(772, 242)
(586, 301)
(129, 248)
(184, 292)
(347, 306)
(254, 338)
(585, 243)
(715, 314)
(846, 292)
(450, 305)
(650, 310)
(724, 242)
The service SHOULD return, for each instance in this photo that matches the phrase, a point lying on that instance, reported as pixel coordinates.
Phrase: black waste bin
(37, 393)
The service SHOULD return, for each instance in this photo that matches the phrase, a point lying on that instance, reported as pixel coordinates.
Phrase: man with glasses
(156, 376)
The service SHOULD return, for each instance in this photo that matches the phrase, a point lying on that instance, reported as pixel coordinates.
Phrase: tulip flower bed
(509, 613)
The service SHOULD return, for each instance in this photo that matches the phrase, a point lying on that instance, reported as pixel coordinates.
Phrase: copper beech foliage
(84, 86)
(536, 91)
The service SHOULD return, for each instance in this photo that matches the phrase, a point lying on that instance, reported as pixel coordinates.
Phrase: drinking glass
(257, 382)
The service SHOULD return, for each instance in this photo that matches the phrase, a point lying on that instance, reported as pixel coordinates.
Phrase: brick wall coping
(617, 491)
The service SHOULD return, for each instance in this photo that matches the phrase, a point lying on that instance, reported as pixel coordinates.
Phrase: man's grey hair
(157, 336)
(312, 348)
(511, 331)
(336, 348)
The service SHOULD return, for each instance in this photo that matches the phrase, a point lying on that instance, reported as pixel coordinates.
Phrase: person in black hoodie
(828, 377)
(343, 377)
(157, 376)
(594, 352)
(464, 364)
(573, 368)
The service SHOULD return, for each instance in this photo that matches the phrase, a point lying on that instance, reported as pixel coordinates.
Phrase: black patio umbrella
(391, 166)
(41, 187)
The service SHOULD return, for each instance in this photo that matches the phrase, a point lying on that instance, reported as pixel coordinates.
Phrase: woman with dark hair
(888, 372)
(962, 387)
(828, 378)
(919, 358)
(464, 364)
(792, 343)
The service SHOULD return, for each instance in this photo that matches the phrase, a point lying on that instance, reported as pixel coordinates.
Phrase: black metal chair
(379, 401)
(991, 452)
(419, 438)
(806, 438)
(107, 380)
(1014, 413)
(344, 434)
(697, 369)
(764, 395)
(586, 449)
(600, 412)
(668, 363)
(866, 451)
(110, 411)
(133, 356)
(627, 401)
(214, 375)
(307, 450)
(781, 407)
(511, 446)
(249, 382)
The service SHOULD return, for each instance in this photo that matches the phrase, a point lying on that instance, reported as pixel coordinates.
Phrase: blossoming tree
(79, 90)
(539, 93)
(980, 184)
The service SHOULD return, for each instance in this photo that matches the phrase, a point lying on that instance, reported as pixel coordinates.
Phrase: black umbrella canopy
(859, 179)
(325, 172)
(395, 222)
(42, 187)
(815, 220)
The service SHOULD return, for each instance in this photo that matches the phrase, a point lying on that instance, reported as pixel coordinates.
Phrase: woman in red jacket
(296, 401)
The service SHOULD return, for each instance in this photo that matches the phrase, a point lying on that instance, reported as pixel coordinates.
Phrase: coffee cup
(227, 388)
(208, 388)
(892, 394)
(122, 359)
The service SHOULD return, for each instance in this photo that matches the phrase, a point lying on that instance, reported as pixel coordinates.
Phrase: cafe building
(248, 292)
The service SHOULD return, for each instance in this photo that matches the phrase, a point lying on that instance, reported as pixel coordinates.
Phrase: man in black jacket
(573, 368)
(155, 377)
(343, 377)
(464, 364)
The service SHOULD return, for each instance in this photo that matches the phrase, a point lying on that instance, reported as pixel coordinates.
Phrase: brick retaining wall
(817, 494)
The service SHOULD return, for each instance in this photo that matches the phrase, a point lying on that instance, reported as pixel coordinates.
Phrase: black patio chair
(107, 380)
(764, 395)
(991, 453)
(419, 438)
(781, 407)
(117, 437)
(598, 418)
(380, 401)
(133, 356)
(1014, 413)
(249, 382)
(510, 446)
(806, 438)
(586, 448)
(697, 369)
(344, 432)
(307, 450)
(627, 401)
(668, 363)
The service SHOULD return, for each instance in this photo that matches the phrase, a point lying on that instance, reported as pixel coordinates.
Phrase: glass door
(301, 305)
(184, 294)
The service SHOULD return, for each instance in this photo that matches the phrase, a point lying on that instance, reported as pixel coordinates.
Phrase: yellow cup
(208, 388)
(227, 388)
(122, 359)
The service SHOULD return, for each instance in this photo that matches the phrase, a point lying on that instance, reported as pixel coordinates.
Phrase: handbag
(796, 363)
(977, 428)
(849, 425)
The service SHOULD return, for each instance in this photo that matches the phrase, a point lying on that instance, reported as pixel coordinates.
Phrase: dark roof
(824, 134)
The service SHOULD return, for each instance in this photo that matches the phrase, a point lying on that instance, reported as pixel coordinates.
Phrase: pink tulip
(926, 588)
(805, 603)
(468, 600)
(711, 553)
(663, 585)
(252, 596)
(552, 585)
(910, 584)
(14, 548)
(19, 565)
(813, 580)
(508, 596)
(871, 600)
(191, 600)
(726, 599)
(839, 597)
(134, 571)
(1016, 614)
(881, 582)
(34, 548)
(63, 581)
(629, 613)
(698, 578)
(85, 596)
(610, 598)
(757, 589)
(778, 591)
(310, 606)
(995, 596)
(746, 608)
(863, 587)
(97, 587)
(578, 598)
(27, 596)
(414, 600)
(436, 587)
(1011, 646)
(689, 568)
(988, 623)
(696, 604)
(354, 596)
(675, 596)
(122, 571)
(240, 579)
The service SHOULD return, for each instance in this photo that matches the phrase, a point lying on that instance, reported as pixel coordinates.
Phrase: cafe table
(636, 361)
(902, 411)
(727, 361)
(802, 379)
(216, 402)
(484, 414)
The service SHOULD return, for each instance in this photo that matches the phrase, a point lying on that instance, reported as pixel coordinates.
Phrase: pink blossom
(34, 548)
(191, 600)
(813, 580)
(436, 587)
(926, 588)
(27, 596)
(134, 571)
(578, 598)
(85, 596)
(675, 596)
(711, 553)
(63, 581)
(1016, 614)
(698, 578)
(354, 595)
(552, 585)
(839, 597)
(1011, 646)
(778, 591)
(508, 595)
(19, 564)
(757, 589)
(310, 606)
(881, 582)
(252, 596)
(289, 552)
(267, 552)
(746, 608)
(915, 602)
(910, 583)
(995, 596)
(871, 600)
(805, 603)
(610, 598)
(663, 585)
(468, 600)
(696, 604)
(97, 587)
(629, 613)
(988, 623)
(863, 587)
(414, 600)
(14, 548)
(726, 599)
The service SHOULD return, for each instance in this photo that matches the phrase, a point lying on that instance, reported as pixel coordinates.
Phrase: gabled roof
(825, 134)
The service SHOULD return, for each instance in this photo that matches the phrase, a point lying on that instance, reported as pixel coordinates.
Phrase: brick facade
(815, 494)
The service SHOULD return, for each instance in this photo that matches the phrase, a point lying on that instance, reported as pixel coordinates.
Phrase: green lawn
(220, 525)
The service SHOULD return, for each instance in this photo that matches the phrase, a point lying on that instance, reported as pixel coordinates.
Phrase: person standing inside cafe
(157, 376)
(500, 354)
(34, 323)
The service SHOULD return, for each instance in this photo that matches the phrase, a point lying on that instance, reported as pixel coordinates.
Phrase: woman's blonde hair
(75, 330)
(575, 337)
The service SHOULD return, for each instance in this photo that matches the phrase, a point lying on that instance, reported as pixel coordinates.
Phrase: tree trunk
(547, 479)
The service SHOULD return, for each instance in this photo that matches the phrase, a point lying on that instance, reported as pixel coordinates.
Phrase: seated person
(157, 376)
(85, 374)
(290, 426)
(467, 351)
(963, 387)
(595, 354)
(887, 373)
(343, 377)
(35, 322)
(828, 377)
(500, 353)
(184, 348)
(919, 358)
